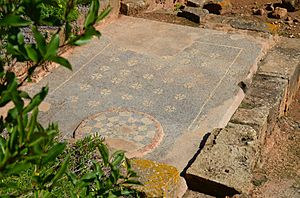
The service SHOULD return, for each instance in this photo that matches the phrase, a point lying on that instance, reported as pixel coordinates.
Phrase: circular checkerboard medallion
(135, 132)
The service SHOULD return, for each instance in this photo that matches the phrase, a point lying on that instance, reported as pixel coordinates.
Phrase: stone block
(159, 180)
(256, 117)
(279, 13)
(218, 6)
(267, 91)
(247, 24)
(282, 61)
(251, 115)
(132, 7)
(263, 104)
(195, 3)
(192, 13)
(224, 166)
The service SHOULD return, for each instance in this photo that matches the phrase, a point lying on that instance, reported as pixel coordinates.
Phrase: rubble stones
(218, 6)
(259, 11)
(279, 13)
(131, 7)
(192, 13)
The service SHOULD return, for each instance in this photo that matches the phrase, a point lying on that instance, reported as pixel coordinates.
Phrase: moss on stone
(160, 180)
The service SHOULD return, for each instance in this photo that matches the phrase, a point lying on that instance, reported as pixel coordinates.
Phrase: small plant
(29, 152)
(87, 175)
(177, 6)
(110, 177)
(54, 11)
(82, 154)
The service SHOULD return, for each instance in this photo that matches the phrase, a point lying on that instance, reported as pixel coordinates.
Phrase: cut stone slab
(225, 162)
(282, 61)
(185, 78)
(246, 24)
(264, 102)
(243, 23)
(159, 180)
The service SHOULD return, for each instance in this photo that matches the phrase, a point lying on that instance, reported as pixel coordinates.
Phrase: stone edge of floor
(225, 164)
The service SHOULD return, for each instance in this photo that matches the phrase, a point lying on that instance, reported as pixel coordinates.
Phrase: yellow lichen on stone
(273, 28)
(160, 180)
(225, 3)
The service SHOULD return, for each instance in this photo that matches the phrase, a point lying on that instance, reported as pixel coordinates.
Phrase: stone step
(226, 163)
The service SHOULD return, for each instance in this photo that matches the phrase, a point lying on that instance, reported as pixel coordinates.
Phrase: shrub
(91, 172)
(30, 153)
(54, 12)
(101, 174)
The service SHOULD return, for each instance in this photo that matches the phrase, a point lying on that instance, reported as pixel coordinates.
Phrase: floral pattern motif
(127, 97)
(167, 80)
(170, 109)
(147, 103)
(85, 87)
(105, 92)
(96, 76)
(188, 85)
(116, 81)
(214, 55)
(180, 96)
(74, 99)
(148, 76)
(104, 68)
(158, 91)
(132, 62)
(136, 86)
(184, 61)
(114, 59)
(93, 103)
(122, 76)
(124, 72)
(157, 67)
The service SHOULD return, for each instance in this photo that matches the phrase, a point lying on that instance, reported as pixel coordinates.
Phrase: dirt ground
(288, 26)
(279, 176)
